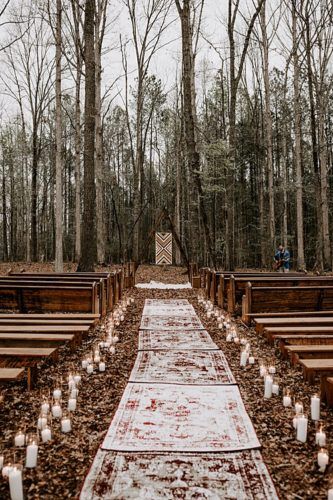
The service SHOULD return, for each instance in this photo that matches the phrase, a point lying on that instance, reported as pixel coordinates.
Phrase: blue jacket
(285, 256)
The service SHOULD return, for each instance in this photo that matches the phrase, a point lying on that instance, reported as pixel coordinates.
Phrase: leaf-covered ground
(63, 463)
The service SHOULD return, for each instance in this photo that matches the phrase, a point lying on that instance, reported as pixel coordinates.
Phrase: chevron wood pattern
(163, 245)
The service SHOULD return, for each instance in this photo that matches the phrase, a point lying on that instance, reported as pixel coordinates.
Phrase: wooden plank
(54, 316)
(34, 339)
(262, 323)
(27, 352)
(10, 374)
(44, 328)
(314, 351)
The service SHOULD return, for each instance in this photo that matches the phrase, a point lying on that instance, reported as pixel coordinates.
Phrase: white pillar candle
(115, 339)
(209, 314)
(112, 349)
(90, 368)
(57, 393)
(229, 337)
(6, 470)
(322, 459)
(321, 438)
(330, 494)
(97, 359)
(251, 360)
(15, 484)
(71, 384)
(45, 407)
(42, 421)
(31, 456)
(268, 387)
(295, 420)
(302, 428)
(122, 317)
(56, 410)
(101, 366)
(236, 340)
(132, 300)
(19, 439)
(271, 370)
(220, 326)
(275, 389)
(71, 404)
(74, 393)
(46, 434)
(1, 461)
(66, 424)
(299, 407)
(84, 363)
(286, 401)
(77, 378)
(243, 358)
(315, 407)
(263, 371)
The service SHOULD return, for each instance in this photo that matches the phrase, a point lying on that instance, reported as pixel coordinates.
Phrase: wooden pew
(35, 339)
(83, 318)
(46, 321)
(316, 367)
(290, 314)
(24, 357)
(79, 331)
(10, 374)
(237, 285)
(262, 323)
(314, 351)
(49, 298)
(271, 333)
(106, 277)
(285, 299)
(61, 282)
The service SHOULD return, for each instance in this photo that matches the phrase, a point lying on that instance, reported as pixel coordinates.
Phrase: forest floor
(64, 462)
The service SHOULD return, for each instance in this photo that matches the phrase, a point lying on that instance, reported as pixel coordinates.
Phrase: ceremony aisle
(181, 429)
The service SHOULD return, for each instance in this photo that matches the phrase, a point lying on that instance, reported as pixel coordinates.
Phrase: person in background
(282, 260)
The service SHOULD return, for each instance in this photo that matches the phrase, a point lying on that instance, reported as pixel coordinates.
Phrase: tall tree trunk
(78, 160)
(323, 182)
(33, 205)
(268, 128)
(297, 149)
(88, 244)
(58, 210)
(4, 214)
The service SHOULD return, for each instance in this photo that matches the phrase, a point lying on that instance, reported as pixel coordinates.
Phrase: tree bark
(59, 167)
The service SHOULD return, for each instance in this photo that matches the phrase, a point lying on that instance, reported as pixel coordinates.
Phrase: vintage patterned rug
(151, 340)
(171, 322)
(128, 476)
(157, 417)
(180, 307)
(182, 367)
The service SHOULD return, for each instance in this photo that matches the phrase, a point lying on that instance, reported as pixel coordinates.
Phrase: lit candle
(315, 407)
(71, 404)
(330, 494)
(122, 317)
(90, 368)
(115, 339)
(229, 337)
(19, 439)
(236, 340)
(31, 456)
(97, 359)
(263, 370)
(84, 363)
(46, 434)
(15, 483)
(1, 461)
(101, 366)
(57, 393)
(220, 326)
(56, 410)
(275, 388)
(243, 358)
(71, 384)
(322, 459)
(299, 407)
(251, 360)
(77, 378)
(268, 386)
(272, 370)
(112, 349)
(209, 314)
(74, 393)
(320, 437)
(66, 424)
(295, 420)
(302, 428)
(45, 407)
(6, 470)
(42, 421)
(286, 401)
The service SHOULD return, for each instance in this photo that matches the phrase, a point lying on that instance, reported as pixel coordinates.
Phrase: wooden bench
(237, 285)
(314, 351)
(261, 323)
(79, 331)
(217, 283)
(93, 318)
(35, 339)
(313, 368)
(41, 282)
(271, 333)
(285, 299)
(24, 357)
(10, 374)
(48, 298)
(45, 322)
(290, 314)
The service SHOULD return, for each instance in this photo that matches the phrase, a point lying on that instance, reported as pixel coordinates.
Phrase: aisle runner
(171, 322)
(166, 417)
(155, 417)
(240, 475)
(151, 340)
(177, 367)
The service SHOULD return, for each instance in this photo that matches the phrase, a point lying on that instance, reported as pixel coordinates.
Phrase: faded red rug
(182, 367)
(175, 340)
(238, 476)
(186, 322)
(157, 417)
